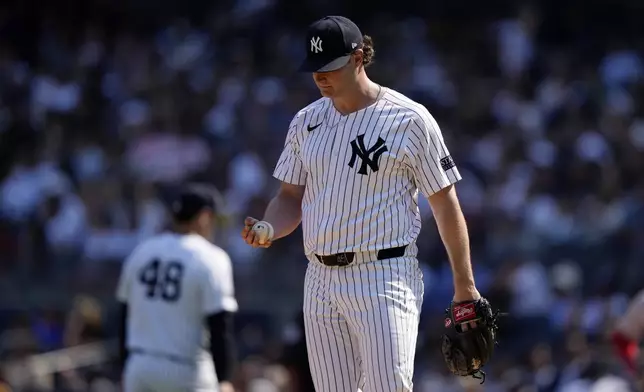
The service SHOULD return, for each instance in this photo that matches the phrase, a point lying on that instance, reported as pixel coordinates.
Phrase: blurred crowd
(106, 106)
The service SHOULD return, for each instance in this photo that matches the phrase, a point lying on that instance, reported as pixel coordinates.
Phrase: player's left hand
(250, 236)
(466, 294)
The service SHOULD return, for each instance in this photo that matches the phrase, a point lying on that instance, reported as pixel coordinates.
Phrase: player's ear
(205, 218)
(358, 56)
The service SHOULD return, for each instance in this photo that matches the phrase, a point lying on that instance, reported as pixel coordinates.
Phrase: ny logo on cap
(316, 45)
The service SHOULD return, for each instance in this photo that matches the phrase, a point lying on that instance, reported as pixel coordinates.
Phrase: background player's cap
(194, 198)
(330, 42)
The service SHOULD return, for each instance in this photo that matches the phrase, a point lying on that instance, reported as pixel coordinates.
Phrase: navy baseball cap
(194, 198)
(330, 42)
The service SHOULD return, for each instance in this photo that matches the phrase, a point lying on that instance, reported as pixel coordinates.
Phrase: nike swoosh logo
(312, 128)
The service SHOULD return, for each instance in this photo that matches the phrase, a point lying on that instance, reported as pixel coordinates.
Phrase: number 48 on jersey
(162, 280)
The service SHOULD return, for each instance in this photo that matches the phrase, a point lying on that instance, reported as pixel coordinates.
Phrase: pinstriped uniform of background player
(177, 294)
(352, 166)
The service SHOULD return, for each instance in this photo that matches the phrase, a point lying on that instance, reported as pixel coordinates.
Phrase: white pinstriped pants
(361, 324)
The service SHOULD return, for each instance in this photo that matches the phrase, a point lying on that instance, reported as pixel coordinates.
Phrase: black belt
(346, 258)
(169, 357)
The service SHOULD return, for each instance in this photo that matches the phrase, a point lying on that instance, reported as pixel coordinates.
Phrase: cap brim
(315, 66)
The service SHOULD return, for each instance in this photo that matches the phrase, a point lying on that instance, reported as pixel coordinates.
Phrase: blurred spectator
(84, 323)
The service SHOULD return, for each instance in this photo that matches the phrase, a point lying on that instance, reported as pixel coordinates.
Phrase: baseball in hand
(263, 231)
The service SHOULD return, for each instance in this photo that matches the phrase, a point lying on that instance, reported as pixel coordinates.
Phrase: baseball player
(350, 172)
(176, 291)
(628, 332)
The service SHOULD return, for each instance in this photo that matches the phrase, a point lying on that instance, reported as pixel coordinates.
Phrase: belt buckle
(342, 259)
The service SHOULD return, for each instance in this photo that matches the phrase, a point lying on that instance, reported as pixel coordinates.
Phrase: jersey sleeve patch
(447, 163)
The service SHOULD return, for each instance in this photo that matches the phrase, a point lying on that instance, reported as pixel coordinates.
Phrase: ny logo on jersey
(359, 150)
(316, 44)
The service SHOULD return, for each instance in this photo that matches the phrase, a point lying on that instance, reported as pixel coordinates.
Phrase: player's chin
(326, 91)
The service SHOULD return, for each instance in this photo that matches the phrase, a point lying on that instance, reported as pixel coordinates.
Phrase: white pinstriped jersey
(363, 171)
(171, 283)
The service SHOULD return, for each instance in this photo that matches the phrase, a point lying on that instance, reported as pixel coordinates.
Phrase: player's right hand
(250, 236)
(226, 387)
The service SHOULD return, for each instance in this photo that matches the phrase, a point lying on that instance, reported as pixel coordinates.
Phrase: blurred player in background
(174, 288)
(628, 332)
